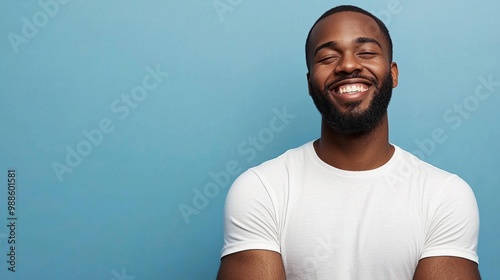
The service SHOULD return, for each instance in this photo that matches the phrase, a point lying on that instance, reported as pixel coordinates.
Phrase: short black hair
(350, 8)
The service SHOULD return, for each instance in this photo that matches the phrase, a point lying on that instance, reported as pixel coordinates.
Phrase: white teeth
(351, 89)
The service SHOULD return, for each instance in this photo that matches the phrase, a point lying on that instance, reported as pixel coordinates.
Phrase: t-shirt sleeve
(454, 223)
(249, 217)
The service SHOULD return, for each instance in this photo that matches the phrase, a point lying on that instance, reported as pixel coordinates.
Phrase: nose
(348, 64)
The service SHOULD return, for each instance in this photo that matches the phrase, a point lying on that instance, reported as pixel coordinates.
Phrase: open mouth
(351, 86)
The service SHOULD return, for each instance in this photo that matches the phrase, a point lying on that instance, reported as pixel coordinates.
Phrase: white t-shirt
(329, 223)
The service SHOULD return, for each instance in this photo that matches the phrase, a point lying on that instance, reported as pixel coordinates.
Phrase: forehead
(344, 27)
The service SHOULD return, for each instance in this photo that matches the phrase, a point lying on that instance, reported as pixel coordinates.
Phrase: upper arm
(250, 219)
(251, 235)
(446, 268)
(453, 223)
(450, 249)
(252, 264)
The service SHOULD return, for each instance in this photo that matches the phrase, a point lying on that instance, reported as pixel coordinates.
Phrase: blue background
(230, 63)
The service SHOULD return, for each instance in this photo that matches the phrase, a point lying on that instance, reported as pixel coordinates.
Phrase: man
(350, 205)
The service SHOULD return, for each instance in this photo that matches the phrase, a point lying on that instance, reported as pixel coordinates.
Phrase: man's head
(350, 69)
(348, 8)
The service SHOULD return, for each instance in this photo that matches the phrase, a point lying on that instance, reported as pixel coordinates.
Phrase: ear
(394, 74)
(309, 87)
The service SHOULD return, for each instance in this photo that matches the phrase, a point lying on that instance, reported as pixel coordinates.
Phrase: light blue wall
(226, 71)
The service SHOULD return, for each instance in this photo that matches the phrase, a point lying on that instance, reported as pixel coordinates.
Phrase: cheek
(319, 77)
(379, 70)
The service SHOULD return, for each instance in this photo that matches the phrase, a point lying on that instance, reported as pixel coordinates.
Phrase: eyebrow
(329, 45)
(362, 40)
(359, 40)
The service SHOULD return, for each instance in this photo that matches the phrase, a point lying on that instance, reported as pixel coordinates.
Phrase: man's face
(351, 77)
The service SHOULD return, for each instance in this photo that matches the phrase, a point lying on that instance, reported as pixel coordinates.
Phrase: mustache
(351, 76)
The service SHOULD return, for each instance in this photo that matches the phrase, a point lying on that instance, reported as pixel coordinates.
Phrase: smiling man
(350, 205)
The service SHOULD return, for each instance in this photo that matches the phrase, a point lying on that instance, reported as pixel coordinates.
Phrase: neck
(358, 152)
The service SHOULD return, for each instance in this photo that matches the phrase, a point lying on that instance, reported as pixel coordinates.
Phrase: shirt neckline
(353, 174)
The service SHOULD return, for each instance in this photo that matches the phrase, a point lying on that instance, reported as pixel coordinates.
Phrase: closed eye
(327, 59)
(367, 54)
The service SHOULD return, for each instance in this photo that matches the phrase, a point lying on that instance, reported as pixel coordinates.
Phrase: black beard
(352, 123)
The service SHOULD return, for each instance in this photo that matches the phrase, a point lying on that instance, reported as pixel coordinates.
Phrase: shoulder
(413, 166)
(449, 209)
(280, 167)
(271, 178)
(289, 157)
(434, 184)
